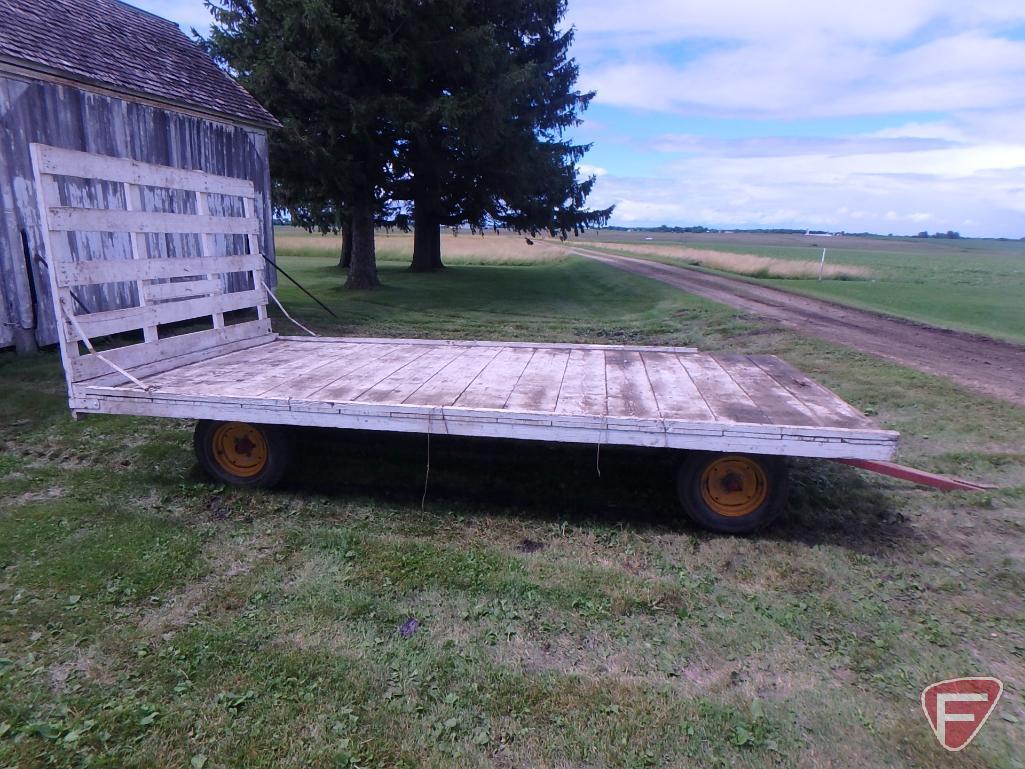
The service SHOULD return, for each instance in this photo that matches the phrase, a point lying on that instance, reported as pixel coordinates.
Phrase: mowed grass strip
(148, 618)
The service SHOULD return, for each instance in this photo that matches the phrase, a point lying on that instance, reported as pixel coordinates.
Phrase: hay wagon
(733, 418)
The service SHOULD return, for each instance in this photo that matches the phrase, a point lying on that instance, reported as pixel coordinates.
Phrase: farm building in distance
(102, 76)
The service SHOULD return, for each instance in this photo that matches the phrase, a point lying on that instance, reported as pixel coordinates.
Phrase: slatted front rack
(201, 260)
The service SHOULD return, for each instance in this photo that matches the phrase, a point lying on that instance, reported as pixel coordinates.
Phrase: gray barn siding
(65, 116)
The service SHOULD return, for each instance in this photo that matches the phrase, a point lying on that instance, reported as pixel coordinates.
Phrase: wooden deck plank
(354, 383)
(676, 394)
(445, 387)
(215, 369)
(327, 371)
(538, 386)
(253, 381)
(629, 393)
(583, 385)
(775, 401)
(403, 382)
(493, 386)
(829, 407)
(726, 399)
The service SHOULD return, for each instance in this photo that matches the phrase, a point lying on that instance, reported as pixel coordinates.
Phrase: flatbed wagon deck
(181, 247)
(642, 396)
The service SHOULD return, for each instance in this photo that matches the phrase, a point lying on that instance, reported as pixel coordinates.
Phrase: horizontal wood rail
(66, 219)
(116, 270)
(86, 165)
(131, 318)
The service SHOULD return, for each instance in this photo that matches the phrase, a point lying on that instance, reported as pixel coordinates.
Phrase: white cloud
(978, 189)
(801, 58)
(586, 169)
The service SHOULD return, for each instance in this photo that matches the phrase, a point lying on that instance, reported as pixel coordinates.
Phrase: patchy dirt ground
(985, 365)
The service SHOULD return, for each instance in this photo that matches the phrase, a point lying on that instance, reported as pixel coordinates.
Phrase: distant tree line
(948, 234)
(419, 114)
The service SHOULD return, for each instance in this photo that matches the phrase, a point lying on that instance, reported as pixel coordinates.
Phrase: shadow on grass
(829, 503)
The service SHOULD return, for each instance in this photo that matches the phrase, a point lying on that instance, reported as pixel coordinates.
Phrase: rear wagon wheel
(241, 453)
(732, 493)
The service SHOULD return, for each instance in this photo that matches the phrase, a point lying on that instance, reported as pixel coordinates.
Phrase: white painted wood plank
(329, 371)
(776, 402)
(354, 383)
(628, 389)
(184, 289)
(66, 219)
(55, 249)
(163, 351)
(538, 386)
(133, 201)
(583, 388)
(479, 343)
(403, 382)
(209, 245)
(829, 407)
(390, 417)
(726, 399)
(675, 392)
(445, 387)
(495, 383)
(86, 165)
(117, 321)
(202, 376)
(88, 273)
(250, 378)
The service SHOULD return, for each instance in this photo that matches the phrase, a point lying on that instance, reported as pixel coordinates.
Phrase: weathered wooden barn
(103, 76)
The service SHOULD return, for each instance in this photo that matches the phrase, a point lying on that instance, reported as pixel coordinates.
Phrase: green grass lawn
(566, 619)
(972, 285)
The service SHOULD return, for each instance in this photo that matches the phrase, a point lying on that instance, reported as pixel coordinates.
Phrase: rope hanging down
(282, 308)
(89, 346)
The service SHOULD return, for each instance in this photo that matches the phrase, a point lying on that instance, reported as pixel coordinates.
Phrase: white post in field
(822, 264)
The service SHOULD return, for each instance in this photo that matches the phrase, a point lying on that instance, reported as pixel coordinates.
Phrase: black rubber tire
(688, 489)
(279, 455)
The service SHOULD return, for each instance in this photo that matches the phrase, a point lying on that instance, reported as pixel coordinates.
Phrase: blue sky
(887, 116)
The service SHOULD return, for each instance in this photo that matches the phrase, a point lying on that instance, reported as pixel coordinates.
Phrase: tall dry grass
(455, 249)
(751, 265)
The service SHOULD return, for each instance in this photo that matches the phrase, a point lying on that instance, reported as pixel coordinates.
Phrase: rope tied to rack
(281, 307)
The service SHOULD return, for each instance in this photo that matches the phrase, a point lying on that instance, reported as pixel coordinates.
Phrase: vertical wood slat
(133, 202)
(47, 194)
(203, 209)
(253, 247)
(57, 250)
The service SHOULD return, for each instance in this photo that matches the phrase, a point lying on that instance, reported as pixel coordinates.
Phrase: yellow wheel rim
(240, 449)
(734, 486)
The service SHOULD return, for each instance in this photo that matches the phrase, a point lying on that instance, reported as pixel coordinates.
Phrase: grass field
(566, 619)
(466, 248)
(972, 285)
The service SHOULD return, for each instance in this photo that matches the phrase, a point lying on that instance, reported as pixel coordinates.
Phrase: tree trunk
(345, 257)
(363, 267)
(426, 237)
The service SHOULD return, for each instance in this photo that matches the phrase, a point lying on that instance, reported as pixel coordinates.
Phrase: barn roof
(123, 48)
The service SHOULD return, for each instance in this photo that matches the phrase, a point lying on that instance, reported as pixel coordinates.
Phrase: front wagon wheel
(732, 493)
(243, 454)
